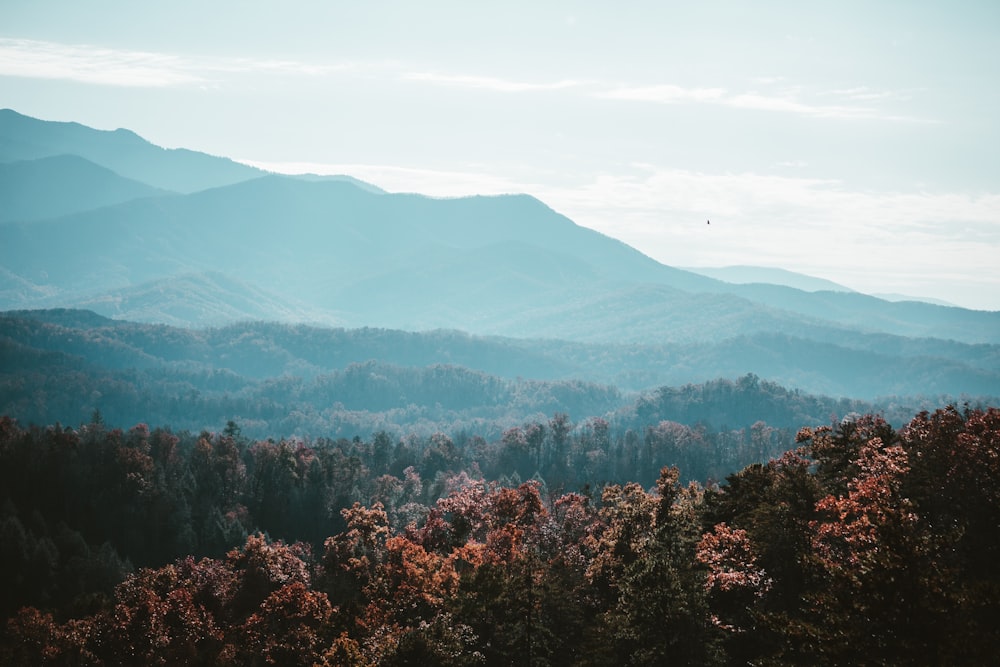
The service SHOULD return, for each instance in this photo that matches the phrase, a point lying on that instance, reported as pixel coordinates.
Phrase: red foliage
(288, 628)
(732, 563)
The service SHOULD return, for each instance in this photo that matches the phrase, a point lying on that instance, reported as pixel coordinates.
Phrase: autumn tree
(654, 588)
(954, 465)
(880, 601)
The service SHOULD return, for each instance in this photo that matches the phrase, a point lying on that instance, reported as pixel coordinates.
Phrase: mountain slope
(122, 151)
(208, 298)
(334, 249)
(873, 367)
(59, 185)
(871, 314)
(321, 240)
(742, 275)
(505, 265)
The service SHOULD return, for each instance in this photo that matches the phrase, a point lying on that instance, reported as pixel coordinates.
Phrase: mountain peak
(129, 135)
(487, 264)
(122, 151)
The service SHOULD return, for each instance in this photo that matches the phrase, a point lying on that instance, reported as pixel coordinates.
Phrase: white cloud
(281, 66)
(489, 83)
(92, 64)
(664, 94)
(99, 65)
(862, 93)
(912, 242)
(788, 101)
(757, 101)
(88, 63)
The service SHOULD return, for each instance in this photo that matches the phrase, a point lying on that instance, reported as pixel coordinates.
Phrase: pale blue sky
(856, 141)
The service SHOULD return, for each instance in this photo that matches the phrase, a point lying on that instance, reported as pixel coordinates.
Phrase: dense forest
(861, 544)
(285, 453)
(280, 381)
(302, 503)
(239, 360)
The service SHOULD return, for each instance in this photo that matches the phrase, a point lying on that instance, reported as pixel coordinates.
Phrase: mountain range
(278, 379)
(109, 222)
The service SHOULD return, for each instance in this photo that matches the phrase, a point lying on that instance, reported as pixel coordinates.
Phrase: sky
(853, 141)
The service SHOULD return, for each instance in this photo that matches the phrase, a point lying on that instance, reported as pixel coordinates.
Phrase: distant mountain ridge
(122, 151)
(231, 243)
(762, 275)
(323, 239)
(742, 275)
(508, 265)
(892, 296)
(58, 185)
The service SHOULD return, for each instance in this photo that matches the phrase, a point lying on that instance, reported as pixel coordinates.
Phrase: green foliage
(277, 380)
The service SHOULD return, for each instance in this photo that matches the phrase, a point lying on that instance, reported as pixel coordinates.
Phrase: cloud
(757, 101)
(792, 164)
(786, 102)
(91, 64)
(664, 94)
(790, 202)
(873, 241)
(489, 83)
(862, 93)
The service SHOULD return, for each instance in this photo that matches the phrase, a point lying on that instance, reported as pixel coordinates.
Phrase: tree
(289, 628)
(351, 559)
(660, 612)
(735, 577)
(881, 602)
(954, 460)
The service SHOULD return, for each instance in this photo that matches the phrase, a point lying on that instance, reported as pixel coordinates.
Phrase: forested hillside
(254, 419)
(278, 380)
(863, 545)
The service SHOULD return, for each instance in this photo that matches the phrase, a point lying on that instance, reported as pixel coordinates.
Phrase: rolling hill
(874, 366)
(209, 298)
(61, 365)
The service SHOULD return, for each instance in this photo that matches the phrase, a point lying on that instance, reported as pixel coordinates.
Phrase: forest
(279, 380)
(251, 419)
(256, 419)
(557, 543)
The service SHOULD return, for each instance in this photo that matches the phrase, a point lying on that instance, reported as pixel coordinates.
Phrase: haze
(852, 142)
